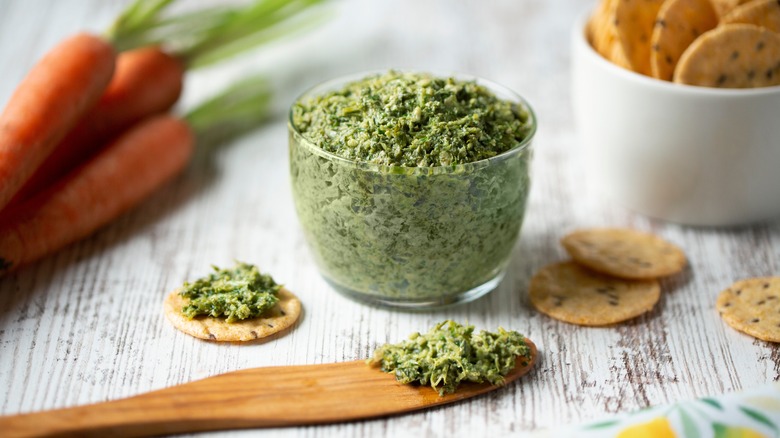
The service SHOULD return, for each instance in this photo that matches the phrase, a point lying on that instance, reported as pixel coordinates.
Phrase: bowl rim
(494, 87)
(580, 42)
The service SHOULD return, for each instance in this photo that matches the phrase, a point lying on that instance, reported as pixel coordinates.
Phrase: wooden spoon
(256, 397)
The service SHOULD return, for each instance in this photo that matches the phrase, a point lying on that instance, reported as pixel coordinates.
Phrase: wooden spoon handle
(256, 397)
(197, 406)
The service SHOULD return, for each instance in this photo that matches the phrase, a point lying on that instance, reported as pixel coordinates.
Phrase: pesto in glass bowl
(411, 188)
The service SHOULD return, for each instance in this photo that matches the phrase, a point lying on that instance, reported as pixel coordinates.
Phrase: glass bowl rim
(330, 84)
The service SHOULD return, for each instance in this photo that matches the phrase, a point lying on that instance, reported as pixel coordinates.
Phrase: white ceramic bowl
(693, 155)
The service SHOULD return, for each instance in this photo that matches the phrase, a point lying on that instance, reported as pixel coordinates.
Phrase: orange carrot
(48, 103)
(115, 180)
(147, 81)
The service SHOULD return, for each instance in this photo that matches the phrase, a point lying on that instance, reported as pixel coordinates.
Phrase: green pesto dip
(234, 294)
(451, 353)
(410, 189)
(412, 120)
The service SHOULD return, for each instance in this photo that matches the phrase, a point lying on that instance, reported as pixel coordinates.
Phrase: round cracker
(752, 306)
(635, 22)
(601, 29)
(678, 24)
(618, 57)
(624, 253)
(732, 56)
(602, 34)
(602, 26)
(594, 26)
(568, 292)
(280, 317)
(762, 13)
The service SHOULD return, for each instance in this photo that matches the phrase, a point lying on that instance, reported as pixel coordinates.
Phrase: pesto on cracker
(236, 304)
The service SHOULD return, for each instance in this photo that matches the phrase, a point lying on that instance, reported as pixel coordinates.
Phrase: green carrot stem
(130, 26)
(213, 54)
(207, 35)
(243, 105)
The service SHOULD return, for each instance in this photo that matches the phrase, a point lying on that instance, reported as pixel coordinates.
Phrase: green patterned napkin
(749, 414)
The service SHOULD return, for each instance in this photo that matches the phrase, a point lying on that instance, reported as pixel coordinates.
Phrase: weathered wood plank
(86, 324)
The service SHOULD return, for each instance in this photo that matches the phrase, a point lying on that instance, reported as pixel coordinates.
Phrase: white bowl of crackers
(677, 104)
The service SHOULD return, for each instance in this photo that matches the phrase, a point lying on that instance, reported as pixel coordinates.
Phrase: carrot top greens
(235, 294)
(452, 353)
(209, 35)
(412, 120)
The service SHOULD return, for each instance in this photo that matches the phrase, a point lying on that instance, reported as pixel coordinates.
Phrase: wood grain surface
(86, 325)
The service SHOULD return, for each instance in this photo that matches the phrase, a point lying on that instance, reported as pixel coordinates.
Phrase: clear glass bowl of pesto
(410, 187)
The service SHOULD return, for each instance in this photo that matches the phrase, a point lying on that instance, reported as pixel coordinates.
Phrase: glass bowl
(412, 237)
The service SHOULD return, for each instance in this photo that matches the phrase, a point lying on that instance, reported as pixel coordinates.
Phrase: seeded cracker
(573, 294)
(280, 317)
(752, 306)
(596, 25)
(762, 13)
(602, 34)
(635, 22)
(678, 24)
(624, 253)
(732, 56)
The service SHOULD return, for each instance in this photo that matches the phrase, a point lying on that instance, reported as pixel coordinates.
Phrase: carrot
(48, 103)
(147, 81)
(128, 170)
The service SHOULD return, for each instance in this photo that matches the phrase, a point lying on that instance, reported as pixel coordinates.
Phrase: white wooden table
(86, 324)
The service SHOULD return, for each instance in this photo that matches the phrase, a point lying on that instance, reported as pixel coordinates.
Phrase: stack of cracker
(711, 43)
(613, 276)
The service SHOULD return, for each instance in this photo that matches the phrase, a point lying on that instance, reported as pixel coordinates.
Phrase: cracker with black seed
(635, 22)
(568, 292)
(624, 253)
(752, 306)
(678, 24)
(732, 56)
(602, 33)
(277, 319)
(598, 26)
(762, 13)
